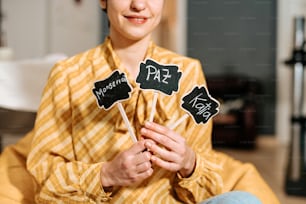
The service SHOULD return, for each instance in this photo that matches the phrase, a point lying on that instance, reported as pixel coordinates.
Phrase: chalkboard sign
(111, 90)
(200, 104)
(164, 78)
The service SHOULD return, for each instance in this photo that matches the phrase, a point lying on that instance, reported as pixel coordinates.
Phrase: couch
(235, 125)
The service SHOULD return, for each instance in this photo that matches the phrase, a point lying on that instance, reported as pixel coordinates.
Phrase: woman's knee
(233, 197)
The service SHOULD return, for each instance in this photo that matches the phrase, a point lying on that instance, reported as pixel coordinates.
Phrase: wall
(24, 27)
(74, 28)
(287, 10)
(237, 38)
(171, 32)
(34, 28)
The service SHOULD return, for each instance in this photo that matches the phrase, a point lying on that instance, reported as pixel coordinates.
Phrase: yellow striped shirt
(73, 137)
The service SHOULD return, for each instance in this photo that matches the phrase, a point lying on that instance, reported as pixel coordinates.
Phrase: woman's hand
(128, 167)
(169, 149)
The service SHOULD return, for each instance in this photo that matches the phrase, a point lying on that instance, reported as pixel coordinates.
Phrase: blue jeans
(233, 197)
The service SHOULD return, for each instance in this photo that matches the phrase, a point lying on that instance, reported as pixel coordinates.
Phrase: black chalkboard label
(200, 104)
(164, 78)
(111, 90)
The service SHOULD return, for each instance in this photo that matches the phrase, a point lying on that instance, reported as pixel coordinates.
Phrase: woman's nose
(138, 5)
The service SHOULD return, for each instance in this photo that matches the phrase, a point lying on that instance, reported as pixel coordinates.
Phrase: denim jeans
(233, 197)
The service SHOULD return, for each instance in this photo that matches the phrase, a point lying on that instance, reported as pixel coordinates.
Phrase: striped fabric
(73, 137)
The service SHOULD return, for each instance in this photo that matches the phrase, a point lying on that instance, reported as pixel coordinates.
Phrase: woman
(83, 154)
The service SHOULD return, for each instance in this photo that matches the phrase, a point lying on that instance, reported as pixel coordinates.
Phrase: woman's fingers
(170, 166)
(160, 136)
(128, 167)
(137, 148)
(162, 152)
(170, 150)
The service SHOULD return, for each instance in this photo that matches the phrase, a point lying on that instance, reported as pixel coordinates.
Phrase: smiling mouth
(136, 19)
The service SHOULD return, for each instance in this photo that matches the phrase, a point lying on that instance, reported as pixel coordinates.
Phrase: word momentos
(100, 92)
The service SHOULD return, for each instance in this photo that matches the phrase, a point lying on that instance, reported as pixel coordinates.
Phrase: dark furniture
(235, 125)
(15, 122)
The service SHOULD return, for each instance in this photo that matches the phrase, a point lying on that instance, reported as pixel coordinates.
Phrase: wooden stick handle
(153, 106)
(127, 122)
(179, 121)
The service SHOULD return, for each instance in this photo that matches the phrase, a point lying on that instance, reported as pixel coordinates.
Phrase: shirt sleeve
(206, 180)
(51, 161)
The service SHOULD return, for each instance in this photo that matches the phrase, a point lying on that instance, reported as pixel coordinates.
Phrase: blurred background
(242, 45)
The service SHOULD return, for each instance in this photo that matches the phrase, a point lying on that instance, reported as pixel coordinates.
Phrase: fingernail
(153, 158)
(149, 144)
(148, 123)
(143, 130)
(148, 155)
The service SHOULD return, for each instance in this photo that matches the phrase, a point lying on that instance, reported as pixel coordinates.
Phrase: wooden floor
(270, 158)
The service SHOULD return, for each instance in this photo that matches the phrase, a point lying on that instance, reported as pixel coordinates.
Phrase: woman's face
(132, 19)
